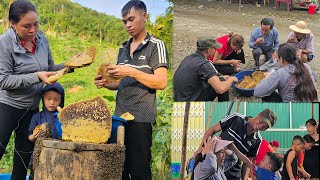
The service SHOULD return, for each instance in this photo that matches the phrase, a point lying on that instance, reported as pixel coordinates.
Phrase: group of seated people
(209, 72)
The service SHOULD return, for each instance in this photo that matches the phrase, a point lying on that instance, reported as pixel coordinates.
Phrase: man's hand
(259, 40)
(99, 82)
(120, 71)
(234, 79)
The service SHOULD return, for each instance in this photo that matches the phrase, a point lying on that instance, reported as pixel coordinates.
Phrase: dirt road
(200, 17)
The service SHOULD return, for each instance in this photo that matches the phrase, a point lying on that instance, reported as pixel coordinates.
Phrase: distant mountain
(66, 19)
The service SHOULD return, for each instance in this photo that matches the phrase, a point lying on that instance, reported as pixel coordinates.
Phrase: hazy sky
(113, 7)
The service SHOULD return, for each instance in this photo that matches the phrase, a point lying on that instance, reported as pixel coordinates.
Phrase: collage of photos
(159, 89)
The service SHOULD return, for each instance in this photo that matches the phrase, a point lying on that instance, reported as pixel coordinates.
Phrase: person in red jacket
(229, 57)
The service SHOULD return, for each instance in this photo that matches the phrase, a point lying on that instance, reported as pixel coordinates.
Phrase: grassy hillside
(65, 19)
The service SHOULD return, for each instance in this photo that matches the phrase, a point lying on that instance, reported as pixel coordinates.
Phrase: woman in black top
(311, 157)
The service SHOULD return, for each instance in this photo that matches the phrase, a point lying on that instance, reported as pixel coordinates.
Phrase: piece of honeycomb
(249, 82)
(127, 116)
(86, 130)
(83, 58)
(59, 74)
(97, 129)
(105, 75)
(44, 128)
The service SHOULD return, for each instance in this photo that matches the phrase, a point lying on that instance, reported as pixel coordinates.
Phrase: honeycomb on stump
(86, 121)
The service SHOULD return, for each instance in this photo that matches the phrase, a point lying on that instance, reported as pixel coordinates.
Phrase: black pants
(234, 173)
(18, 120)
(257, 52)
(274, 97)
(260, 2)
(228, 69)
(209, 94)
(138, 141)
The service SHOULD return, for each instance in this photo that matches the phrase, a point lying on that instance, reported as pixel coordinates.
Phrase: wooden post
(120, 135)
(184, 140)
(238, 106)
(210, 115)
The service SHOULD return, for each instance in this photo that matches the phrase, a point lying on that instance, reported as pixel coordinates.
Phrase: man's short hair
(275, 160)
(136, 4)
(267, 21)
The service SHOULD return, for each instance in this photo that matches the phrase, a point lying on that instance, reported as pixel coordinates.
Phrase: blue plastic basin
(116, 122)
(241, 91)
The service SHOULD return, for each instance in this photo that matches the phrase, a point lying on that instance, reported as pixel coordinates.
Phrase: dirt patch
(216, 18)
(74, 89)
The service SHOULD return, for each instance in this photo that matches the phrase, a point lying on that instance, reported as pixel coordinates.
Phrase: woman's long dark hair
(197, 159)
(305, 89)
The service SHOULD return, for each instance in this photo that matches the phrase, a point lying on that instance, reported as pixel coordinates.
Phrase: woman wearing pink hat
(214, 160)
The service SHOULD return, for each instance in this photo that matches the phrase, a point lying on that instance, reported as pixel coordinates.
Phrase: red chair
(289, 4)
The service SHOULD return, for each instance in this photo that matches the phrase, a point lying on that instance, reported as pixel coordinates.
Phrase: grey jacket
(19, 83)
(208, 169)
(278, 80)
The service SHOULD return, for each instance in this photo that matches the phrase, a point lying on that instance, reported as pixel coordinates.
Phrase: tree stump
(72, 160)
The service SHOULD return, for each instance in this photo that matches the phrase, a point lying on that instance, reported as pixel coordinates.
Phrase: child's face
(308, 146)
(298, 146)
(265, 163)
(51, 100)
(220, 157)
